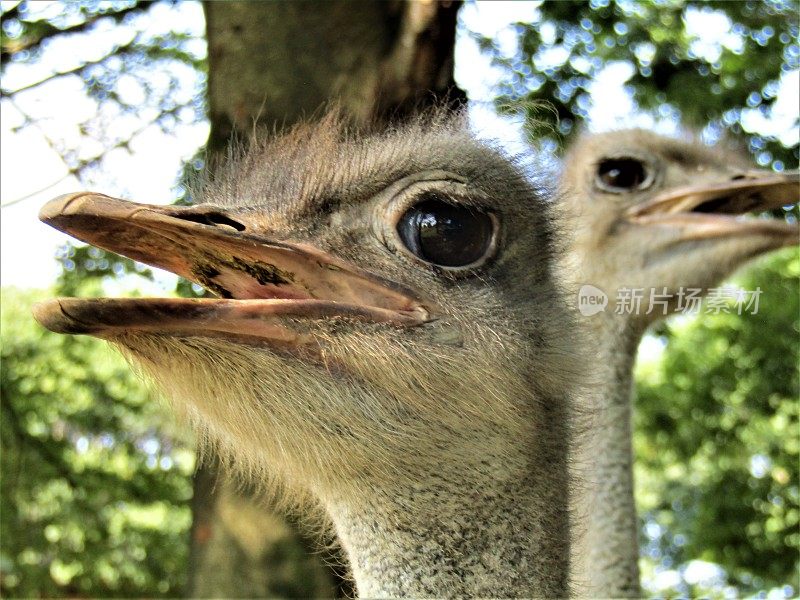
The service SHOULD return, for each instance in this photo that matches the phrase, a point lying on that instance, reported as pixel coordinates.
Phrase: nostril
(738, 177)
(216, 219)
(223, 219)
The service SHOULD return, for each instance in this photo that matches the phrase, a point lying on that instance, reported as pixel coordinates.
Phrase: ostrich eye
(621, 175)
(445, 234)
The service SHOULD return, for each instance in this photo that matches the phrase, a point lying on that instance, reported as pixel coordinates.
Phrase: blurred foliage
(143, 76)
(27, 33)
(716, 441)
(95, 483)
(676, 73)
(86, 266)
(96, 480)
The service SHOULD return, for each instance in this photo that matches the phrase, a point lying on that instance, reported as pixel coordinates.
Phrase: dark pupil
(621, 173)
(445, 234)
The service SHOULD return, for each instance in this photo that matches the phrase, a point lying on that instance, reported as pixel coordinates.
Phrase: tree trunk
(273, 63)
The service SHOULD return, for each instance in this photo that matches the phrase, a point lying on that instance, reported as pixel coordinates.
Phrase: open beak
(267, 287)
(715, 210)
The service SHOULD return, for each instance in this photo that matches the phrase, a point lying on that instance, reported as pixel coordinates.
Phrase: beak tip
(61, 206)
(45, 314)
(51, 315)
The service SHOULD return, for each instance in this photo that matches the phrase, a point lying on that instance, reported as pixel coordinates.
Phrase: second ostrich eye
(445, 234)
(622, 175)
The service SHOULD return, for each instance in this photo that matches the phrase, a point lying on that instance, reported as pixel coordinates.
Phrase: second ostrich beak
(715, 210)
(264, 285)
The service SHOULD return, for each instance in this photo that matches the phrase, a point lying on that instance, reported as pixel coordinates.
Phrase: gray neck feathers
(497, 528)
(606, 552)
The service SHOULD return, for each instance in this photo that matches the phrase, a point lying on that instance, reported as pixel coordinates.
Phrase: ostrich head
(387, 323)
(655, 213)
(664, 219)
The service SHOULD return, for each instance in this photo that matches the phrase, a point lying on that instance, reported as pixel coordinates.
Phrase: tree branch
(120, 50)
(11, 13)
(78, 169)
(37, 191)
(48, 30)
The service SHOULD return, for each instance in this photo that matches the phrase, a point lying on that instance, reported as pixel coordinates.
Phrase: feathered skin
(426, 409)
(680, 227)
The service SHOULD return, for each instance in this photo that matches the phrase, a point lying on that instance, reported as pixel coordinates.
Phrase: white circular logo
(591, 300)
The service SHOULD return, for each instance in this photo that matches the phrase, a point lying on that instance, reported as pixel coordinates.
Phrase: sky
(33, 173)
(28, 164)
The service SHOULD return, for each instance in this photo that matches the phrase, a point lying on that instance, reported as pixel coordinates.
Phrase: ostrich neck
(607, 554)
(497, 536)
(430, 544)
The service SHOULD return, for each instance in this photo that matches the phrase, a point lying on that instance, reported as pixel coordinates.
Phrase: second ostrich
(389, 340)
(662, 216)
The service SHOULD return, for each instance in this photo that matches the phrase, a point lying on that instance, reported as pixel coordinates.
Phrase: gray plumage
(437, 448)
(660, 215)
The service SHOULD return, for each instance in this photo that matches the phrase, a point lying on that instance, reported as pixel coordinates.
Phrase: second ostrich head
(655, 213)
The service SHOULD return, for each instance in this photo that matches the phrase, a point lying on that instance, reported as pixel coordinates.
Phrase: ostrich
(388, 341)
(653, 213)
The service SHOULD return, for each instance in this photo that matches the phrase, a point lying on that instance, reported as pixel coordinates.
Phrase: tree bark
(243, 548)
(278, 62)
(271, 64)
